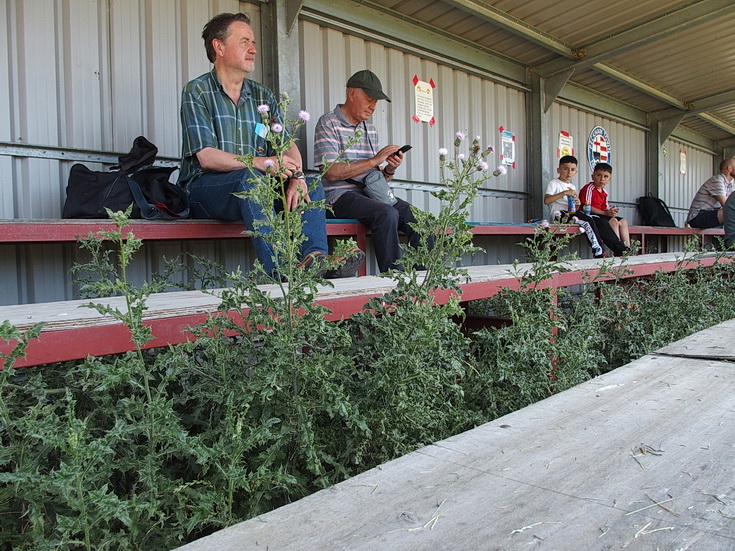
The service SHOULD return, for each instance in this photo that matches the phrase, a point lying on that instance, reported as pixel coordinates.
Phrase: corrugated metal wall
(678, 189)
(92, 75)
(628, 153)
(462, 101)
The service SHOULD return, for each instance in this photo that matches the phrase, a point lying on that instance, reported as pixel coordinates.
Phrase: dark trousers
(384, 221)
(607, 234)
(210, 195)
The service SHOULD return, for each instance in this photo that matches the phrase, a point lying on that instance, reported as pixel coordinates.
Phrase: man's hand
(296, 191)
(389, 154)
(345, 171)
(288, 167)
(394, 160)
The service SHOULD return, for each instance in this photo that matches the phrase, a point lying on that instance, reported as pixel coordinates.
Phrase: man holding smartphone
(347, 184)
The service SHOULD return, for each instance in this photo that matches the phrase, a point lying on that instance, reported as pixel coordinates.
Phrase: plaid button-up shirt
(209, 118)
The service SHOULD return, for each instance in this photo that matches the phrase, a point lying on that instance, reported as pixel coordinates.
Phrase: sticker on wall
(599, 148)
(423, 100)
(682, 162)
(507, 147)
(566, 144)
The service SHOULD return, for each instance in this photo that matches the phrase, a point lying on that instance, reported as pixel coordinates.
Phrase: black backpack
(654, 212)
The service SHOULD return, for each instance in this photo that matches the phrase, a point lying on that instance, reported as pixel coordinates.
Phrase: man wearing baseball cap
(348, 184)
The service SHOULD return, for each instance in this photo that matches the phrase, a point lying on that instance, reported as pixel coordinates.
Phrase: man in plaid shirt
(221, 121)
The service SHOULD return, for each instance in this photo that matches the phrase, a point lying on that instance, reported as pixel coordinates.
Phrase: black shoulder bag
(132, 182)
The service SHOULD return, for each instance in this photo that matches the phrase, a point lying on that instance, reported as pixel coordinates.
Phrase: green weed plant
(154, 448)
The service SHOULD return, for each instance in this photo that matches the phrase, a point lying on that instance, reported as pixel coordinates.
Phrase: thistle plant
(410, 353)
(462, 175)
(110, 265)
(283, 229)
(284, 369)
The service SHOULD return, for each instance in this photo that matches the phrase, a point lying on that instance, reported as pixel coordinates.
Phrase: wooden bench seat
(17, 231)
(72, 332)
(57, 230)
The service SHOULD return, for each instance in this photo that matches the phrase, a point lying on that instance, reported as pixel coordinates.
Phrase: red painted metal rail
(72, 332)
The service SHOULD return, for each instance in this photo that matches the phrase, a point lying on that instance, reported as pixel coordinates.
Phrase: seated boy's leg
(608, 236)
(381, 218)
(614, 225)
(623, 230)
(591, 231)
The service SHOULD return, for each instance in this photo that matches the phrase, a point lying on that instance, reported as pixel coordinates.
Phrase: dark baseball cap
(369, 82)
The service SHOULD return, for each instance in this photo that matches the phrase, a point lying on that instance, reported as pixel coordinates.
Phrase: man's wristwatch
(298, 175)
(385, 171)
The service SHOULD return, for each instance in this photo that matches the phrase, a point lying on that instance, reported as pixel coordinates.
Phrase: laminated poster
(423, 101)
(599, 148)
(507, 147)
(682, 161)
(566, 144)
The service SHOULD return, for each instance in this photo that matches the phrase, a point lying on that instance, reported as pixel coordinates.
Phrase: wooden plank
(717, 342)
(72, 331)
(55, 230)
(640, 458)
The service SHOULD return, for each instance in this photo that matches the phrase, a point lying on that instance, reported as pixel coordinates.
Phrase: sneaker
(351, 263)
(601, 255)
(315, 259)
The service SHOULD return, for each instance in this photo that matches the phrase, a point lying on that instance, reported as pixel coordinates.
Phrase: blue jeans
(210, 196)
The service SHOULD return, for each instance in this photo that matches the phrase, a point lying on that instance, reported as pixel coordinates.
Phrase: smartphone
(405, 148)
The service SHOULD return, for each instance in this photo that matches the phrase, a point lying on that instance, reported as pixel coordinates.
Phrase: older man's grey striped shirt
(333, 133)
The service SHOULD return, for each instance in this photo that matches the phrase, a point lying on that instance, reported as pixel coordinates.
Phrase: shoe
(316, 260)
(601, 255)
(351, 262)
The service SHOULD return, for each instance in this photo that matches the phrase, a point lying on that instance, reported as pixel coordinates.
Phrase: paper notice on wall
(566, 144)
(682, 162)
(423, 101)
(507, 148)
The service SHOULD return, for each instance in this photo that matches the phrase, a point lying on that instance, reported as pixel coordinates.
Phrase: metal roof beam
(293, 8)
(718, 123)
(632, 81)
(667, 127)
(643, 34)
(553, 87)
(700, 105)
(592, 55)
(486, 12)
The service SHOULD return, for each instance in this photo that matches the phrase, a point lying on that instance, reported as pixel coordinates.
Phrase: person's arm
(344, 171)
(297, 188)
(548, 199)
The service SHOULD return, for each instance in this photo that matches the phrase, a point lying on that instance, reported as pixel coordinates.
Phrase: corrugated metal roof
(650, 54)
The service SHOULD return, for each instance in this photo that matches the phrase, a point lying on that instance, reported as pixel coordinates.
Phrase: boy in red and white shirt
(605, 216)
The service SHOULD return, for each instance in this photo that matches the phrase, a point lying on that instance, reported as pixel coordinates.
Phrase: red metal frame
(98, 338)
(54, 230)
